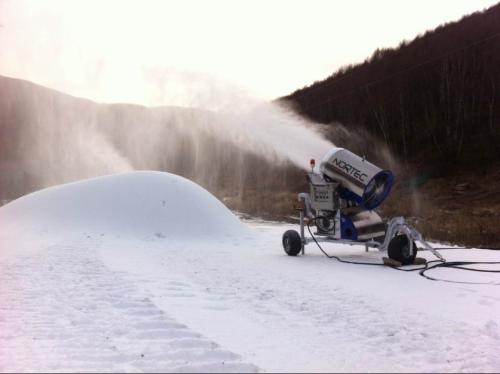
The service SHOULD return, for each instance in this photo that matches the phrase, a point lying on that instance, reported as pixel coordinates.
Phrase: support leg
(302, 239)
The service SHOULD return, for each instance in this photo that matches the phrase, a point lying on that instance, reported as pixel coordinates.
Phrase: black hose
(335, 257)
(459, 265)
(430, 265)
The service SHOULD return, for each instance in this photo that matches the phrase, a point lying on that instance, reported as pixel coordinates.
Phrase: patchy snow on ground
(147, 271)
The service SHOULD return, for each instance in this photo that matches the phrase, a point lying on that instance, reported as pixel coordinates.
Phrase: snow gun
(341, 202)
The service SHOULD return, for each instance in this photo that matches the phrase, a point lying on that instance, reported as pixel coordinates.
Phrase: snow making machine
(341, 203)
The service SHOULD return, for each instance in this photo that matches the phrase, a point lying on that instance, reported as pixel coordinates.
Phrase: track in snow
(63, 310)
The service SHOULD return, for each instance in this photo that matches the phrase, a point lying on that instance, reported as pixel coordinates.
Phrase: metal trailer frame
(395, 226)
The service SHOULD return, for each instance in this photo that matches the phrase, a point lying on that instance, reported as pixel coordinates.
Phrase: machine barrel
(361, 181)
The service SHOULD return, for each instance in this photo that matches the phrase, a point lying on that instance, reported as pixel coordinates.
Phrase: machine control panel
(322, 192)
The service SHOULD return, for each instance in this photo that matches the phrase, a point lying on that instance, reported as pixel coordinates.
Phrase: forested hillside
(433, 101)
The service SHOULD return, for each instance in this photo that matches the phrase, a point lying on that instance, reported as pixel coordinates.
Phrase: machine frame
(395, 226)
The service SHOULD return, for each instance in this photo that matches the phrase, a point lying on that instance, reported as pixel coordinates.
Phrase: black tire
(292, 244)
(399, 250)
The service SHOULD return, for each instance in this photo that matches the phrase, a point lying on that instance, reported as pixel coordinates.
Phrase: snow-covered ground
(147, 271)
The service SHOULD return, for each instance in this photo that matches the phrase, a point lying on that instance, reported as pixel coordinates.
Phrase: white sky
(117, 50)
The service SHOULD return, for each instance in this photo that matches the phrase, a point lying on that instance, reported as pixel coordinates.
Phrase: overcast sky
(117, 50)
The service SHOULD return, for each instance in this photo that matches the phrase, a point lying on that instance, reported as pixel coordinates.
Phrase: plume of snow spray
(65, 139)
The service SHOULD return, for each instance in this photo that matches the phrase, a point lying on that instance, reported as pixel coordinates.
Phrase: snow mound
(140, 203)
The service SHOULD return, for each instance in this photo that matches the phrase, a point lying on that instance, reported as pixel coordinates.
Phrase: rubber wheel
(399, 250)
(292, 244)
